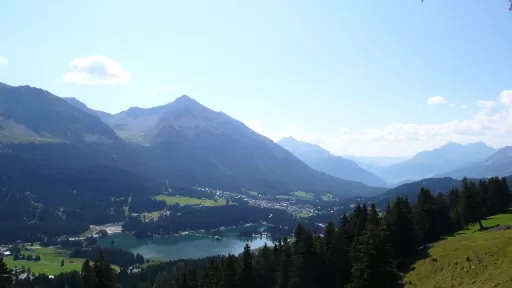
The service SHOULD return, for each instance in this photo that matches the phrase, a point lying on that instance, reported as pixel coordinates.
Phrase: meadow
(171, 200)
(50, 262)
(470, 258)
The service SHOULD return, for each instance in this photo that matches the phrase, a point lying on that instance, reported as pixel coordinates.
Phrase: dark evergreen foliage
(364, 250)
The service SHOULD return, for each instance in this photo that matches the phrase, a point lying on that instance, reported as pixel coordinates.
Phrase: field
(468, 259)
(171, 200)
(50, 261)
(302, 194)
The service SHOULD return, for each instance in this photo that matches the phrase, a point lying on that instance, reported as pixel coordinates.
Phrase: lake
(183, 246)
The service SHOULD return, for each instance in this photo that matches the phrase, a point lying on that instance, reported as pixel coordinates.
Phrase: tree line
(367, 248)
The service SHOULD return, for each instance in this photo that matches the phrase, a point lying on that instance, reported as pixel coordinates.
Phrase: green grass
(469, 259)
(254, 193)
(283, 197)
(171, 200)
(50, 261)
(327, 197)
(151, 215)
(302, 194)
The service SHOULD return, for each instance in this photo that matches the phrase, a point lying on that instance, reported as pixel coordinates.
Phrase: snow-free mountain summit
(182, 142)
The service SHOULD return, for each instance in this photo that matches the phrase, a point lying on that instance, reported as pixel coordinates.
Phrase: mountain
(199, 146)
(322, 160)
(182, 142)
(411, 190)
(498, 164)
(75, 102)
(429, 163)
(375, 164)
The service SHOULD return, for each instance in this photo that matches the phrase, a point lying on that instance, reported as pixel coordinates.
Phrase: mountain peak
(185, 99)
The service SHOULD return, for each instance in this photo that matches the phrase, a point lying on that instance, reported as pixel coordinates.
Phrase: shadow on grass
(422, 253)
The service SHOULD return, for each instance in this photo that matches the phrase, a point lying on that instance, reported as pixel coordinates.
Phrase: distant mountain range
(497, 164)
(375, 164)
(411, 190)
(448, 157)
(182, 142)
(322, 160)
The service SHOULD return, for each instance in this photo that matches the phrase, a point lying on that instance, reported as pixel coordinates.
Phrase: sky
(386, 78)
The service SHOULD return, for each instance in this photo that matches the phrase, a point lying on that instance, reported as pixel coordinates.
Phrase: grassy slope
(469, 259)
(50, 261)
(171, 200)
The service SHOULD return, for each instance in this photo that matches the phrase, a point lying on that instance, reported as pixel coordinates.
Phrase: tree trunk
(480, 224)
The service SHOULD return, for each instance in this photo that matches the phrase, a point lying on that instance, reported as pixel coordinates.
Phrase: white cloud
(506, 97)
(486, 104)
(404, 139)
(436, 100)
(97, 70)
(464, 106)
(4, 60)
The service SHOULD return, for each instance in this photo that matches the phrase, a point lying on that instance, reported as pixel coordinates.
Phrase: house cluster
(4, 252)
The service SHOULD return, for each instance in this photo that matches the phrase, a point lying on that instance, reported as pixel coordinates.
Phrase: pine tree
(246, 277)
(229, 276)
(88, 275)
(285, 265)
(268, 267)
(103, 271)
(302, 274)
(373, 265)
(5, 274)
(400, 229)
(505, 196)
(162, 280)
(339, 270)
(424, 216)
(373, 217)
(472, 210)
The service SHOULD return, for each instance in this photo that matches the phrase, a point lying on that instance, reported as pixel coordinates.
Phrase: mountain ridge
(182, 141)
(428, 163)
(322, 160)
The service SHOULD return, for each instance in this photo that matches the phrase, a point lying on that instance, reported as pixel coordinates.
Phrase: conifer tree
(88, 275)
(373, 217)
(103, 271)
(472, 210)
(268, 266)
(373, 265)
(5, 274)
(400, 229)
(285, 265)
(162, 280)
(229, 273)
(246, 277)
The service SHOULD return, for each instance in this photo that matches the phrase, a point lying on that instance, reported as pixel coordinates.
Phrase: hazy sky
(357, 77)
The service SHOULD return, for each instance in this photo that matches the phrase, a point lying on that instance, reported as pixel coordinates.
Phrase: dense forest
(366, 249)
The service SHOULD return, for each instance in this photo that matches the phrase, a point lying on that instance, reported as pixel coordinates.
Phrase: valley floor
(470, 258)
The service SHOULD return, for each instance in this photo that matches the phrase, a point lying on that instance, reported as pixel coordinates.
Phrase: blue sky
(352, 76)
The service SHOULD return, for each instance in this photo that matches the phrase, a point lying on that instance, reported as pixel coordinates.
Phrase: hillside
(499, 164)
(183, 142)
(410, 190)
(469, 259)
(322, 160)
(209, 148)
(433, 162)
